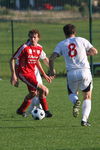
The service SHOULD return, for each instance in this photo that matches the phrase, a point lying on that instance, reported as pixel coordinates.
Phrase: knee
(87, 95)
(32, 93)
(43, 92)
(30, 96)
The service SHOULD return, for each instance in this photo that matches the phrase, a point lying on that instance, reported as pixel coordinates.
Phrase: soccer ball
(38, 113)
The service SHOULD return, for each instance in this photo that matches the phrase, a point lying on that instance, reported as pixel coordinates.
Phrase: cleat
(19, 112)
(24, 114)
(48, 114)
(85, 124)
(76, 108)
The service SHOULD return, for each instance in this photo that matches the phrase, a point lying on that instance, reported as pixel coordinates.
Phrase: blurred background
(17, 17)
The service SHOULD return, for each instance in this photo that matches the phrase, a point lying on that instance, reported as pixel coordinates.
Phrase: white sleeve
(87, 45)
(58, 49)
(43, 55)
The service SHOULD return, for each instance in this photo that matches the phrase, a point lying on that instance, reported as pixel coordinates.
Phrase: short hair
(69, 29)
(34, 31)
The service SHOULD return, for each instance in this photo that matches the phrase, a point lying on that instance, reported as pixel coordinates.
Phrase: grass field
(61, 132)
(51, 34)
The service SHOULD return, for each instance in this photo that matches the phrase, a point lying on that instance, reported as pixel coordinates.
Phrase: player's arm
(44, 58)
(51, 63)
(43, 72)
(46, 61)
(92, 51)
(14, 78)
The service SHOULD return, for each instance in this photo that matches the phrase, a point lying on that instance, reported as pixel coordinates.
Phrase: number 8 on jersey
(72, 50)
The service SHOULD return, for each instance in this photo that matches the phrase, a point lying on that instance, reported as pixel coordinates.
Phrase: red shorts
(30, 80)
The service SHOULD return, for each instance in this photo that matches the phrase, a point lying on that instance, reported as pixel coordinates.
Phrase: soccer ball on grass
(38, 113)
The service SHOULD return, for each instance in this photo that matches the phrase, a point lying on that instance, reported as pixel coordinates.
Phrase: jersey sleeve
(87, 45)
(43, 55)
(58, 49)
(19, 51)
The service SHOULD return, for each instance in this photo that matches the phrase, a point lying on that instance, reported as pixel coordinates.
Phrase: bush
(70, 8)
(67, 7)
(83, 9)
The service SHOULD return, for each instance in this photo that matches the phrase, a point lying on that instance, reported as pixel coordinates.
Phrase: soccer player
(35, 100)
(28, 58)
(75, 51)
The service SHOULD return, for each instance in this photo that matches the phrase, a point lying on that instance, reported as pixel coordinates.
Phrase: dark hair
(69, 29)
(34, 31)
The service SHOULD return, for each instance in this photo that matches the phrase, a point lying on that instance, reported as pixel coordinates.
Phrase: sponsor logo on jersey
(38, 52)
(30, 51)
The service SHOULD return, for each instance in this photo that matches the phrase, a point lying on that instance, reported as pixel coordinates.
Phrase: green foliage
(71, 8)
(83, 9)
(67, 7)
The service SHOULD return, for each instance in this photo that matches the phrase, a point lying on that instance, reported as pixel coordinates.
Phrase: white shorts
(79, 79)
(38, 76)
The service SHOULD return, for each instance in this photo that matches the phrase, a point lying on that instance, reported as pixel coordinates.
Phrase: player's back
(74, 51)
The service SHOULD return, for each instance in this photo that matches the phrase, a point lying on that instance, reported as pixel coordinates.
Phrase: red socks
(25, 105)
(44, 103)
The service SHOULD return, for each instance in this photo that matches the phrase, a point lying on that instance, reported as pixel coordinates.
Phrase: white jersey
(74, 52)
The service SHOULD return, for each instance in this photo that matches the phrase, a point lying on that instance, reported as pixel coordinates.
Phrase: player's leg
(31, 83)
(43, 100)
(86, 106)
(86, 88)
(26, 103)
(35, 100)
(73, 97)
(72, 86)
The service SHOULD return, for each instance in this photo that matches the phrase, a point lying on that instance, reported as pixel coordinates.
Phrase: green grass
(51, 34)
(61, 132)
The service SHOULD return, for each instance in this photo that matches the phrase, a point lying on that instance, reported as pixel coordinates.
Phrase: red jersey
(27, 56)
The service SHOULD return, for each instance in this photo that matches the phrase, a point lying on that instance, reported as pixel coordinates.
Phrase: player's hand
(44, 88)
(52, 74)
(49, 79)
(14, 80)
(52, 77)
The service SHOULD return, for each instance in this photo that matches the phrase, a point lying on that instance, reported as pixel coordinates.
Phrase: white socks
(35, 102)
(73, 98)
(86, 109)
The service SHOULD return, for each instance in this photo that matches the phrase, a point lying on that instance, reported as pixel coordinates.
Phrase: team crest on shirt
(30, 51)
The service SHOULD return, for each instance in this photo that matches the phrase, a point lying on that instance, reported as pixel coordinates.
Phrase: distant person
(75, 51)
(28, 56)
